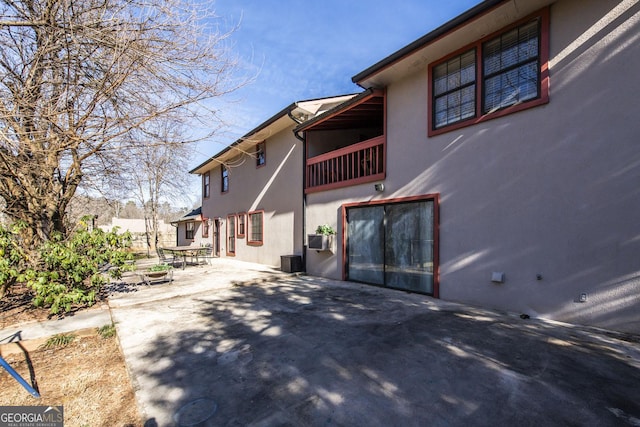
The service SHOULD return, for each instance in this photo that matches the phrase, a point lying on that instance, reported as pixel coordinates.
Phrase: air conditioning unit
(320, 242)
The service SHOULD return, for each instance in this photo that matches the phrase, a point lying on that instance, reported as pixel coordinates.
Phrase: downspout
(304, 194)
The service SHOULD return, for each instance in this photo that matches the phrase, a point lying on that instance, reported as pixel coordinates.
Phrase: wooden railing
(355, 164)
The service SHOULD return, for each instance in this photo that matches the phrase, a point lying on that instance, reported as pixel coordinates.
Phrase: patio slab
(277, 349)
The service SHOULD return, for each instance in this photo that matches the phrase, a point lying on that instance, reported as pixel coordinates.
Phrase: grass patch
(107, 331)
(59, 340)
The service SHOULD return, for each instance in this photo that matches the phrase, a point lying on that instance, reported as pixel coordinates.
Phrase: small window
(241, 225)
(256, 232)
(206, 189)
(224, 178)
(261, 158)
(231, 235)
(205, 228)
(191, 227)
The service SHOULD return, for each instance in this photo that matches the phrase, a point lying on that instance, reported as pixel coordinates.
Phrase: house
(495, 161)
(252, 189)
(192, 229)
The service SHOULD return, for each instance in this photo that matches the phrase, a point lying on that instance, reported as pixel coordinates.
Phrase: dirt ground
(88, 376)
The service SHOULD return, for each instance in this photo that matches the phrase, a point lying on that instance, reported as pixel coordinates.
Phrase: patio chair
(165, 259)
(207, 254)
(202, 255)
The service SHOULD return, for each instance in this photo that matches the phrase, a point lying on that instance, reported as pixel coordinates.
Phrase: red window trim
(235, 235)
(242, 215)
(251, 242)
(543, 15)
(435, 197)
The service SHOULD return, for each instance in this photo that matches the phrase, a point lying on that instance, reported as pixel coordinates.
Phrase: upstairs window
(224, 178)
(454, 89)
(261, 158)
(511, 68)
(501, 74)
(206, 188)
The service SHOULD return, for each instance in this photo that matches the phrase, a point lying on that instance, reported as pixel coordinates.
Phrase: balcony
(356, 164)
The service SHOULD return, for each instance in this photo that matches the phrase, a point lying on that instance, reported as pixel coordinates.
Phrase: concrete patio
(237, 344)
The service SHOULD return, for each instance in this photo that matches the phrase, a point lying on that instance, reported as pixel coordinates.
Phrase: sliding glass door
(392, 245)
(366, 243)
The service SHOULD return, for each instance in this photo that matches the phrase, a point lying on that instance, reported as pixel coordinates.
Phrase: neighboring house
(495, 161)
(193, 229)
(136, 226)
(252, 190)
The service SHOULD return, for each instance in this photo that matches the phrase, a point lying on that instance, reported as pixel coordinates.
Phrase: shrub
(67, 272)
(12, 256)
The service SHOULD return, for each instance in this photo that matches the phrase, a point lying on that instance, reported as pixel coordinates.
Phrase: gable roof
(474, 24)
(194, 214)
(293, 114)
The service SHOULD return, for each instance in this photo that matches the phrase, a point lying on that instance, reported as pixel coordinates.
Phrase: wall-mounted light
(379, 187)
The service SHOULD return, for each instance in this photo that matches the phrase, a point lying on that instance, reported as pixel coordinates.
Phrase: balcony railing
(355, 164)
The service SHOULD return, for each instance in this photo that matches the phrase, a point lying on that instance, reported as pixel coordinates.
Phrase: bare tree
(159, 171)
(77, 78)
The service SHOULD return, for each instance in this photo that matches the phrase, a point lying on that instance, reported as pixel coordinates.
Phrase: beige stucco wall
(554, 190)
(275, 188)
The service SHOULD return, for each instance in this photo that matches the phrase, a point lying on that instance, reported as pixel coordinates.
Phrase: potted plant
(323, 239)
(159, 269)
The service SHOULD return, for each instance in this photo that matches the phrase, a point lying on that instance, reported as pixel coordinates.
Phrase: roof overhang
(363, 110)
(474, 24)
(289, 116)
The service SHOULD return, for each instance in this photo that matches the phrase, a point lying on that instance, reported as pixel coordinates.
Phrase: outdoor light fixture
(379, 187)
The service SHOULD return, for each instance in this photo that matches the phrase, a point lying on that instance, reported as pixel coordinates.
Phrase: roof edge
(255, 130)
(425, 40)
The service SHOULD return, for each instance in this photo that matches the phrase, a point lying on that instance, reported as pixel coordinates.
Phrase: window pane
(440, 85)
(365, 247)
(511, 68)
(454, 89)
(255, 225)
(231, 234)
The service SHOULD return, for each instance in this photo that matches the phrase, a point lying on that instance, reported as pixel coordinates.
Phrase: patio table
(185, 251)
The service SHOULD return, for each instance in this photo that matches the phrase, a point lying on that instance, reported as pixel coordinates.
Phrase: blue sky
(310, 49)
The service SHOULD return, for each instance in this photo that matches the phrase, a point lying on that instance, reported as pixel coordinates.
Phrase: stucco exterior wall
(551, 191)
(275, 188)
